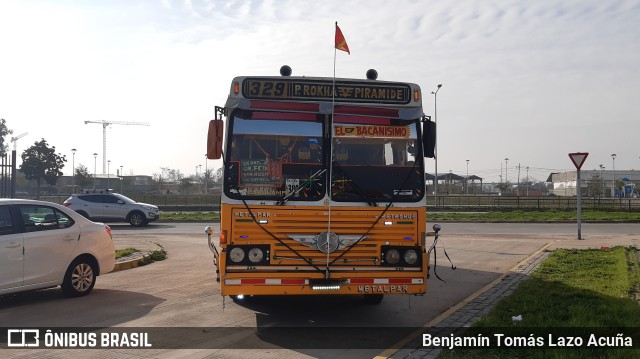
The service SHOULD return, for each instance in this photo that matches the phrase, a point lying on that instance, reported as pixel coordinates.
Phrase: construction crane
(15, 140)
(104, 136)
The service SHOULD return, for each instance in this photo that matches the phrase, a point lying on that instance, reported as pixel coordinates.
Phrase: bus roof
(290, 93)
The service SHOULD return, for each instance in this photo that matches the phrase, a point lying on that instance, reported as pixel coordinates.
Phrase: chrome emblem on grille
(326, 242)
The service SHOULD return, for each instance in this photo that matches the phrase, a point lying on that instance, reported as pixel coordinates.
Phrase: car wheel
(84, 214)
(137, 219)
(79, 278)
(373, 298)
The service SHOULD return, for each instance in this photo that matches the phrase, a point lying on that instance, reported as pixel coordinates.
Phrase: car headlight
(410, 256)
(392, 256)
(236, 255)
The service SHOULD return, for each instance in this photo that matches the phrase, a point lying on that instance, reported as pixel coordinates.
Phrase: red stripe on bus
(399, 280)
(289, 106)
(292, 281)
(361, 280)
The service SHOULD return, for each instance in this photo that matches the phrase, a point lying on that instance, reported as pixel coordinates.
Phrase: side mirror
(429, 138)
(120, 201)
(208, 230)
(437, 227)
(214, 139)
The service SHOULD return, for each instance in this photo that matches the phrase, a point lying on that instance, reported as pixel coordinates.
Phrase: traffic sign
(578, 158)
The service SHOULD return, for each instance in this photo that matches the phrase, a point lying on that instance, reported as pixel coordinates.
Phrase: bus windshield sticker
(260, 173)
(371, 131)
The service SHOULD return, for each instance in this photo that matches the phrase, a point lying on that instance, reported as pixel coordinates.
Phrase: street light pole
(506, 176)
(466, 180)
(435, 152)
(73, 174)
(613, 194)
(108, 170)
(121, 179)
(527, 181)
(206, 174)
(602, 176)
(95, 159)
(200, 167)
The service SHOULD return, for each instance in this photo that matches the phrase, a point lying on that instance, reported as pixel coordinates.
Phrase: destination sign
(318, 90)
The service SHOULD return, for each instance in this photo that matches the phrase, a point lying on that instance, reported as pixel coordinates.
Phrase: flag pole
(333, 104)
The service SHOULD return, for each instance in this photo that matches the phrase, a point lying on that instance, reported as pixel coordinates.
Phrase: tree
(4, 131)
(595, 186)
(217, 175)
(504, 186)
(186, 185)
(83, 177)
(40, 162)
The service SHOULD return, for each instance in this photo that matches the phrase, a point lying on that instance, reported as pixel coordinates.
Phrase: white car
(43, 244)
(105, 206)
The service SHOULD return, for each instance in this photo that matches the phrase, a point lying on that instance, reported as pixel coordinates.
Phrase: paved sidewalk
(482, 304)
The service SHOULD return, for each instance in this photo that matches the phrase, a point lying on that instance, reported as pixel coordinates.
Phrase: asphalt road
(449, 228)
(181, 292)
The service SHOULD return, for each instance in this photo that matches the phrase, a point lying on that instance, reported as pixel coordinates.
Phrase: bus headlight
(256, 255)
(236, 255)
(401, 256)
(392, 256)
(410, 257)
(248, 254)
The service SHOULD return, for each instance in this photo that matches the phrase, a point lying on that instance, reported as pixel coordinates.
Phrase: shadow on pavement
(75, 312)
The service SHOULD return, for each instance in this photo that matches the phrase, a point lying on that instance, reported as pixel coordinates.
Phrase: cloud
(524, 80)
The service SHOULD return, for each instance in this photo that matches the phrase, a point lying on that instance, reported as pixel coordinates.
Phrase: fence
(531, 203)
(8, 175)
(454, 203)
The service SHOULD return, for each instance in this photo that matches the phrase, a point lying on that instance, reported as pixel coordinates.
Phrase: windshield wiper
(298, 188)
(356, 189)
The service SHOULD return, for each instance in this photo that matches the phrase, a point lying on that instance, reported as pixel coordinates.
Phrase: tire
(373, 299)
(79, 278)
(137, 219)
(84, 214)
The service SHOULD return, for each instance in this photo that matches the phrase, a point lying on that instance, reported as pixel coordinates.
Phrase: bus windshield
(376, 162)
(274, 154)
(282, 156)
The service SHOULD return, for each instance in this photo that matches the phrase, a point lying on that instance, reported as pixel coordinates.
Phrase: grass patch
(125, 252)
(190, 216)
(155, 256)
(490, 216)
(571, 289)
(533, 216)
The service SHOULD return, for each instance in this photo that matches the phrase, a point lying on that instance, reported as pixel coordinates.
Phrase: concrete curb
(133, 260)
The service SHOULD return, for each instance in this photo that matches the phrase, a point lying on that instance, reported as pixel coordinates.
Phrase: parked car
(106, 206)
(43, 244)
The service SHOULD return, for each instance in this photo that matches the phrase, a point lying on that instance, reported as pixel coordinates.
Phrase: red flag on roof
(341, 42)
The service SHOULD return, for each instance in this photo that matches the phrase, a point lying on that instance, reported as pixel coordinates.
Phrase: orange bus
(323, 187)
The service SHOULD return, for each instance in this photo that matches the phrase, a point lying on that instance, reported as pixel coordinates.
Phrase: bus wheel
(373, 298)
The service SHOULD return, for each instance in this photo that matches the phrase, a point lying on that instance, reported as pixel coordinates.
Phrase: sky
(530, 81)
